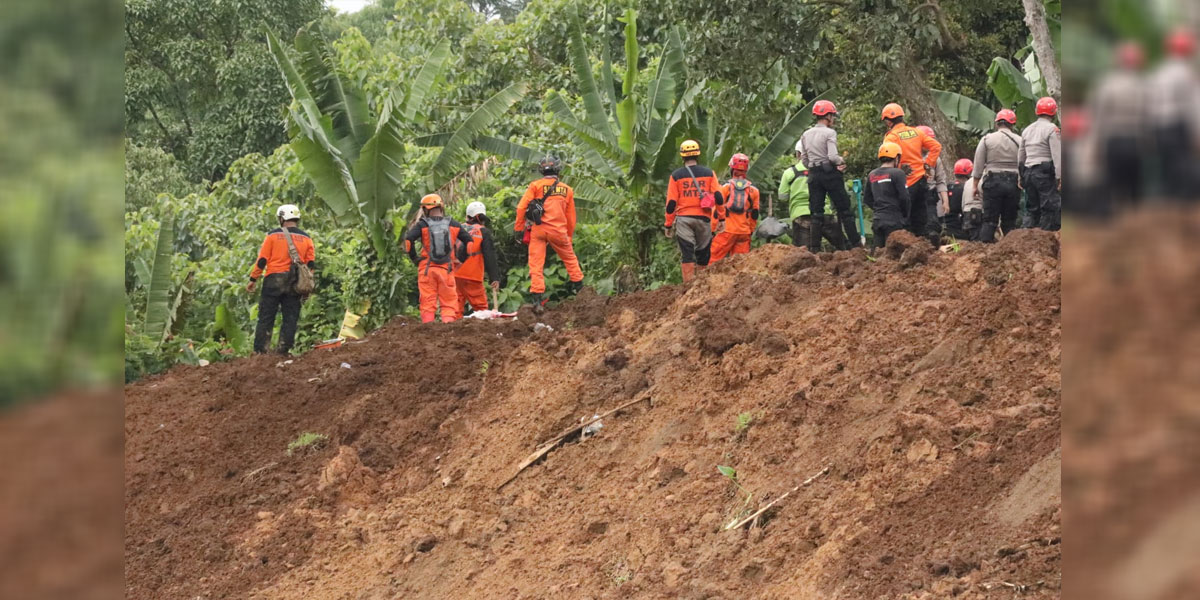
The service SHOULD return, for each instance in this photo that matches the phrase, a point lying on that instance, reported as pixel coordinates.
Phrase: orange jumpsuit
(434, 279)
(913, 143)
(556, 229)
(740, 215)
(468, 276)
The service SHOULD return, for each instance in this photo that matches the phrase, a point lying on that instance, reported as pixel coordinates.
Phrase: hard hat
(963, 166)
(476, 208)
(799, 146)
(927, 130)
(1006, 115)
(1075, 122)
(288, 212)
(892, 111)
(1130, 55)
(739, 162)
(889, 150)
(689, 149)
(1046, 106)
(1181, 42)
(431, 201)
(823, 108)
(550, 164)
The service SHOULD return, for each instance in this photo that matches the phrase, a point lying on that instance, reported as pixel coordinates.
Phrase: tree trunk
(912, 91)
(1043, 46)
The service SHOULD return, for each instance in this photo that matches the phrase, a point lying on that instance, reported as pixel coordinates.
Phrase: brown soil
(931, 390)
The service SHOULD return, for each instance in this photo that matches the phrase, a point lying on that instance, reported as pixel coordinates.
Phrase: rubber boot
(816, 228)
(573, 287)
(689, 271)
(539, 302)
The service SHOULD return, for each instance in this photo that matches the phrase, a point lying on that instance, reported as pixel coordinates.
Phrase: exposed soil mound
(931, 393)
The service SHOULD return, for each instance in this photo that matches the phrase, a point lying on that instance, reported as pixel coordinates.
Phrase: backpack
(537, 207)
(300, 277)
(739, 200)
(439, 249)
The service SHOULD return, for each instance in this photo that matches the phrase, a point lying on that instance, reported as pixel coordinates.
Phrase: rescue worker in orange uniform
(693, 193)
(739, 213)
(275, 263)
(481, 256)
(439, 236)
(547, 213)
(914, 144)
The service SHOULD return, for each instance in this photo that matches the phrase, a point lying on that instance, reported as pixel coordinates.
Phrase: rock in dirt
(901, 241)
(347, 476)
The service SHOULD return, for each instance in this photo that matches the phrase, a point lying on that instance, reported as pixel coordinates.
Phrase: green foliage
(307, 441)
(967, 114)
(743, 423)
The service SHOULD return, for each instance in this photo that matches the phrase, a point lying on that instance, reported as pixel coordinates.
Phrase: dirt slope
(928, 383)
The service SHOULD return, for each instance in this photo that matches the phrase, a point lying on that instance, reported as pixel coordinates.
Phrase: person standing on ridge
(953, 222)
(481, 256)
(938, 198)
(793, 189)
(738, 214)
(547, 212)
(692, 195)
(274, 263)
(887, 194)
(919, 153)
(996, 165)
(1040, 155)
(438, 235)
(1174, 93)
(826, 167)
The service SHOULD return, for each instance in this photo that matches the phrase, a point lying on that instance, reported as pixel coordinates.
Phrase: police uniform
(1041, 157)
(996, 163)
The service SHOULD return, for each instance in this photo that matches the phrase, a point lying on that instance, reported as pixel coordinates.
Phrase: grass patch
(307, 441)
(742, 424)
(483, 368)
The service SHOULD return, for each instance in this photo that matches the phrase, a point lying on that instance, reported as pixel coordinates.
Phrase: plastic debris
(202, 363)
(591, 429)
(540, 327)
(490, 314)
(345, 365)
(284, 363)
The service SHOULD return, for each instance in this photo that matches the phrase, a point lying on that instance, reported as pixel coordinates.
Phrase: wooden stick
(550, 444)
(495, 299)
(772, 503)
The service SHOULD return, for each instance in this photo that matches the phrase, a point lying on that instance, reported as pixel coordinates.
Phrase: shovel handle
(495, 298)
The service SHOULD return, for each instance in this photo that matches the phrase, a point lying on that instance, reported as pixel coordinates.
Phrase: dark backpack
(537, 207)
(739, 200)
(439, 249)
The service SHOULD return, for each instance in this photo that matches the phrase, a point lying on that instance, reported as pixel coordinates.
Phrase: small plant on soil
(743, 423)
(745, 509)
(307, 441)
(483, 368)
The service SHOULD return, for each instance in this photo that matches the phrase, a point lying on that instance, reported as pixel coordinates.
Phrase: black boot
(815, 229)
(573, 287)
(539, 302)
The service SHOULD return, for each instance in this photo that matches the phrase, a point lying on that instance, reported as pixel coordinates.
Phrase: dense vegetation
(390, 103)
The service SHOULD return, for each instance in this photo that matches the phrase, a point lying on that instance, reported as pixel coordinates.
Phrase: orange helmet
(823, 108)
(739, 162)
(431, 201)
(892, 111)
(1006, 115)
(889, 150)
(963, 166)
(1046, 106)
(927, 130)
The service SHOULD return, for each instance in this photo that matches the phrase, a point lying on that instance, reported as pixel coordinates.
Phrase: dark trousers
(802, 228)
(1001, 204)
(822, 182)
(276, 295)
(1043, 203)
(952, 224)
(972, 224)
(881, 232)
(1122, 172)
(922, 211)
(1174, 147)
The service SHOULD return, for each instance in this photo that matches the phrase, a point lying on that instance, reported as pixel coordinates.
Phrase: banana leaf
(158, 297)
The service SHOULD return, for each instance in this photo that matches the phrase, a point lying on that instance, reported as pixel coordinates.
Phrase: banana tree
(352, 155)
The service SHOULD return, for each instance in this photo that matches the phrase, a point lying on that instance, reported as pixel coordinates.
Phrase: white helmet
(799, 146)
(288, 212)
(476, 208)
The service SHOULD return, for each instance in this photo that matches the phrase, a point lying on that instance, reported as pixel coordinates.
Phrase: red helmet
(927, 130)
(823, 108)
(1130, 55)
(1047, 106)
(739, 162)
(1006, 115)
(963, 166)
(1181, 42)
(1074, 122)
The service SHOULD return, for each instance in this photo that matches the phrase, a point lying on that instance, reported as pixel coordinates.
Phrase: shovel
(495, 298)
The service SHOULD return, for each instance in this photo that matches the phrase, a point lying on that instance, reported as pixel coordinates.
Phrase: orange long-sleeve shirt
(744, 222)
(273, 256)
(913, 143)
(683, 199)
(559, 213)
